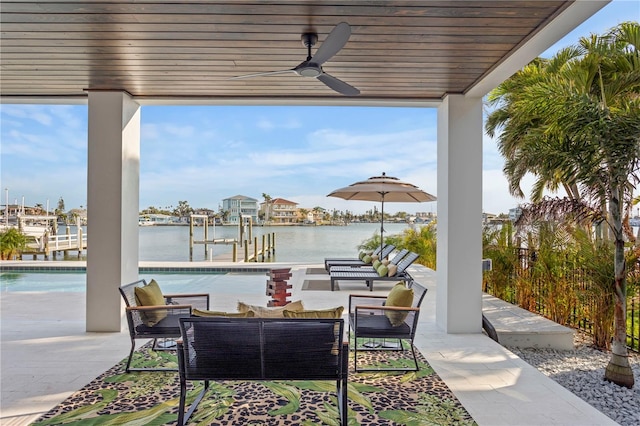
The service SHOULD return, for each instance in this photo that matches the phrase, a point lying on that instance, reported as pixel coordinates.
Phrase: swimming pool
(213, 282)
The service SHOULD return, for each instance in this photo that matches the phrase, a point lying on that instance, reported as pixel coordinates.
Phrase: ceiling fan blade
(338, 85)
(240, 77)
(335, 41)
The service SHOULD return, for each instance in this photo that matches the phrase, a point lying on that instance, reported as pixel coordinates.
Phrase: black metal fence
(579, 295)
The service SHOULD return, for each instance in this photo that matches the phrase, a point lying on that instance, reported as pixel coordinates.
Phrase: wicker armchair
(369, 320)
(160, 321)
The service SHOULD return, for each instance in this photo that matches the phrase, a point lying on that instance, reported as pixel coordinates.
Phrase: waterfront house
(280, 211)
(157, 219)
(239, 206)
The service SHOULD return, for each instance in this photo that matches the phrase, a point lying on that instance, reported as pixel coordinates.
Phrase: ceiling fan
(312, 67)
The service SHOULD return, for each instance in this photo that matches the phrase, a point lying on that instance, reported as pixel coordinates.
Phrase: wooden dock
(48, 245)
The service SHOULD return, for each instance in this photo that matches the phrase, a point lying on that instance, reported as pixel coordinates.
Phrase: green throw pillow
(383, 270)
(400, 296)
(376, 264)
(321, 313)
(151, 295)
(270, 312)
(361, 255)
(367, 258)
(203, 313)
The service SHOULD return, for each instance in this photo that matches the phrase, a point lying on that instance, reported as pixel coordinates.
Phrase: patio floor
(46, 355)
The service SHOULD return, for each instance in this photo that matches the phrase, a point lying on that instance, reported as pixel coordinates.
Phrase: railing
(579, 296)
(67, 241)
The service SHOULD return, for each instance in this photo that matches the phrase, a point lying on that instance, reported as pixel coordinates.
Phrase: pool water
(213, 283)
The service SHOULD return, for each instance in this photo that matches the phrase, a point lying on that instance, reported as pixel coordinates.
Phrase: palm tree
(574, 121)
(267, 207)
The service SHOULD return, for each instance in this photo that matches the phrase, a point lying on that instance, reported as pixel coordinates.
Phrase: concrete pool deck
(46, 354)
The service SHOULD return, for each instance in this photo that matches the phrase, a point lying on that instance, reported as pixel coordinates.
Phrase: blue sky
(205, 154)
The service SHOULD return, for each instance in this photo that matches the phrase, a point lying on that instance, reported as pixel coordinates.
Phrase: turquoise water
(213, 283)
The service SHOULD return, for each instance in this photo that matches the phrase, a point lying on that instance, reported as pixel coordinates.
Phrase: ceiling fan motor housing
(309, 39)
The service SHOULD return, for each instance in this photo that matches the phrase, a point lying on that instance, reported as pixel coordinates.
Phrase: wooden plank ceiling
(411, 49)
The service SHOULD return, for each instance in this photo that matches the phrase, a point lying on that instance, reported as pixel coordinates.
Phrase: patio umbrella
(384, 189)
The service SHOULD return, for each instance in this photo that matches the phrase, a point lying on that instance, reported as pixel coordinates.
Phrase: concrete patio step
(517, 327)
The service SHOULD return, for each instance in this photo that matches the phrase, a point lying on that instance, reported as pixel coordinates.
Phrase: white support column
(459, 264)
(112, 205)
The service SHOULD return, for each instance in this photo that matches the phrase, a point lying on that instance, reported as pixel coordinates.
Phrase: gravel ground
(582, 370)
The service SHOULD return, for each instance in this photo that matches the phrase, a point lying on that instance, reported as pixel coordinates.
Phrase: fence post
(246, 251)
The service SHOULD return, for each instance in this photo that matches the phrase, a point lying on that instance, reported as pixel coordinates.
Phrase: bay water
(309, 244)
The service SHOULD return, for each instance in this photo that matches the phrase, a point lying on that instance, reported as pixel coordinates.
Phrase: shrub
(12, 243)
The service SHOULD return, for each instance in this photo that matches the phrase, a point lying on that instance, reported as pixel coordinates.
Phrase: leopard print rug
(380, 398)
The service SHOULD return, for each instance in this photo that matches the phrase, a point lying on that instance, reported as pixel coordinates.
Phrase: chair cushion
(169, 326)
(367, 258)
(376, 264)
(321, 313)
(275, 312)
(378, 326)
(398, 296)
(205, 313)
(151, 295)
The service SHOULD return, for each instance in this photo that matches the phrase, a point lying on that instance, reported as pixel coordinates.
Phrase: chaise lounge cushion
(274, 312)
(399, 296)
(151, 295)
(205, 313)
(321, 313)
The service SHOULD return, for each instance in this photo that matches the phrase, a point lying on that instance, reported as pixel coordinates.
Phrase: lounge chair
(369, 268)
(378, 324)
(381, 253)
(356, 274)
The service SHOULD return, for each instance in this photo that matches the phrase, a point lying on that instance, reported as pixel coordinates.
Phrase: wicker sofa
(219, 348)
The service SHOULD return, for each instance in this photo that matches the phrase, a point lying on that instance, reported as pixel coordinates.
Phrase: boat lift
(245, 239)
(206, 241)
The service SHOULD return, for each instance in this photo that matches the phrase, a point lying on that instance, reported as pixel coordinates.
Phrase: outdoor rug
(318, 285)
(316, 271)
(151, 398)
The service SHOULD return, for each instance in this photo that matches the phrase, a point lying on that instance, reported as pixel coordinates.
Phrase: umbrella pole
(382, 225)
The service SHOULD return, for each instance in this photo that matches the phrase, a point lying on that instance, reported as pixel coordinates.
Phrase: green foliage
(497, 245)
(567, 276)
(421, 240)
(12, 243)
(573, 121)
(596, 261)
